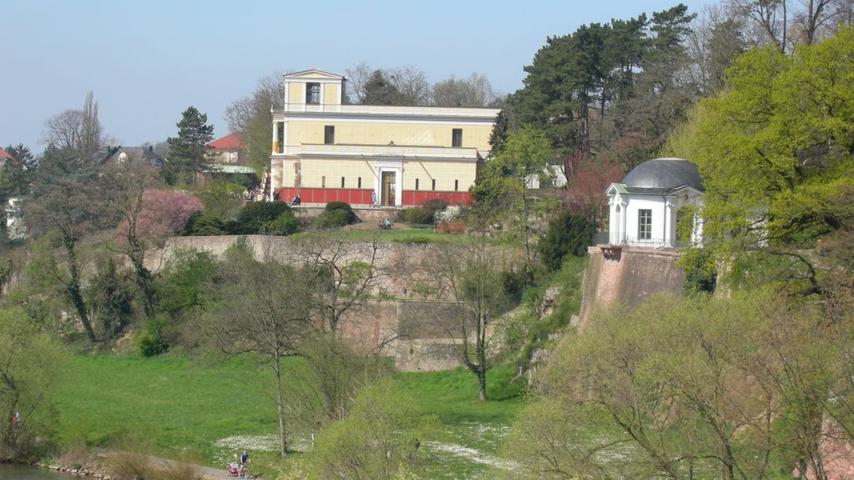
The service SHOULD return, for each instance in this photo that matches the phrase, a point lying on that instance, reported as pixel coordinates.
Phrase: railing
(603, 238)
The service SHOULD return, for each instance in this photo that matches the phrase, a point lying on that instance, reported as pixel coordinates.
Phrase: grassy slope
(179, 408)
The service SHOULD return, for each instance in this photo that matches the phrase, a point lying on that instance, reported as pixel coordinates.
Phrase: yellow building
(326, 150)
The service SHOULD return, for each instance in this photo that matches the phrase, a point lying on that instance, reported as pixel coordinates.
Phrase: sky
(148, 60)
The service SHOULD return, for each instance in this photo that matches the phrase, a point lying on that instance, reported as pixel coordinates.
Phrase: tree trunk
(73, 288)
(481, 383)
(528, 273)
(144, 282)
(280, 406)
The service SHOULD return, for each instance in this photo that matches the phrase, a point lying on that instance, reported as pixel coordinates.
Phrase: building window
(323, 181)
(280, 137)
(312, 93)
(360, 182)
(457, 137)
(434, 184)
(456, 185)
(416, 184)
(644, 224)
(342, 182)
(329, 134)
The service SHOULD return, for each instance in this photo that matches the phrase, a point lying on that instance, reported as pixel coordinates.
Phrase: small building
(326, 150)
(122, 154)
(5, 157)
(225, 150)
(644, 207)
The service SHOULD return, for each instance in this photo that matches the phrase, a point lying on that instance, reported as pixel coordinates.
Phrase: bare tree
(252, 116)
(357, 77)
(784, 22)
(412, 84)
(262, 309)
(79, 131)
(470, 278)
(125, 182)
(344, 276)
(474, 91)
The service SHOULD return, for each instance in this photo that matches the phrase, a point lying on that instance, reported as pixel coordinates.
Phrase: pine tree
(187, 150)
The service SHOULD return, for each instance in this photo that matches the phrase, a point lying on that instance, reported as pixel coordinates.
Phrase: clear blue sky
(147, 60)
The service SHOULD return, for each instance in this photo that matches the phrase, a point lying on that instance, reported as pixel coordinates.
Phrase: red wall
(355, 196)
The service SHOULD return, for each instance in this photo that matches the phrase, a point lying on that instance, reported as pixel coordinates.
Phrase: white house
(644, 206)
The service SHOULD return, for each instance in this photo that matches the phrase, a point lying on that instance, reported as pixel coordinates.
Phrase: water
(20, 472)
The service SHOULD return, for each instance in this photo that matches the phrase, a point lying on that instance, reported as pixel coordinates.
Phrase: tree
(28, 370)
(187, 150)
(343, 276)
(377, 440)
(693, 388)
(412, 84)
(526, 153)
(252, 116)
(379, 90)
(77, 131)
(66, 199)
(774, 149)
(474, 91)
(110, 293)
(568, 234)
(262, 308)
(16, 175)
(470, 277)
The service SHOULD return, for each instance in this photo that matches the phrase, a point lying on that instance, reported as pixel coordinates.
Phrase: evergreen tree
(380, 91)
(187, 150)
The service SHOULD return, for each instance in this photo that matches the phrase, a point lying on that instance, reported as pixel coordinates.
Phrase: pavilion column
(623, 217)
(669, 237)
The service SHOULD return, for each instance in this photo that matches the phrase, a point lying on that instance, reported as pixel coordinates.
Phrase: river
(20, 472)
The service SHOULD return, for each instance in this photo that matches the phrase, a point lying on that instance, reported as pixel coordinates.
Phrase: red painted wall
(355, 196)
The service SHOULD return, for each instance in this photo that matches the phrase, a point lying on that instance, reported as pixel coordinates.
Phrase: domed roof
(664, 174)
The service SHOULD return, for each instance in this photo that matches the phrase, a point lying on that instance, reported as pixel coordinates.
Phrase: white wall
(636, 203)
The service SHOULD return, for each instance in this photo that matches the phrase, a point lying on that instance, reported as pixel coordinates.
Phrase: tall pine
(187, 150)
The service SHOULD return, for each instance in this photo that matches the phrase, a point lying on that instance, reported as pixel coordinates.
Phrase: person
(296, 200)
(373, 198)
(244, 463)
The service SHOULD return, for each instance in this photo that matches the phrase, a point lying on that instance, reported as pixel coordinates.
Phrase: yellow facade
(385, 132)
(396, 154)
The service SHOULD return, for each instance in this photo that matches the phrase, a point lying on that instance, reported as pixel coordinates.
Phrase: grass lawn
(180, 408)
(399, 234)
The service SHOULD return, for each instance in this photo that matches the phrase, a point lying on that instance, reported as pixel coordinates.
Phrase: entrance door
(387, 189)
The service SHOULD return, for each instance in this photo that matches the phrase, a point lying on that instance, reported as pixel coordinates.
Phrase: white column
(276, 138)
(623, 217)
(669, 237)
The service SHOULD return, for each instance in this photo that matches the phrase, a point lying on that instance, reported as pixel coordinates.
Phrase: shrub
(454, 226)
(416, 215)
(205, 223)
(568, 234)
(275, 218)
(338, 214)
(435, 205)
(700, 272)
(151, 342)
(222, 199)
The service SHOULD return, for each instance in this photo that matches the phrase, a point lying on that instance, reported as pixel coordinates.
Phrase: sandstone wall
(417, 333)
(627, 276)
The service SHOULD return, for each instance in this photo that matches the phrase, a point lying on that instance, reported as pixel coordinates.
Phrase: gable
(313, 74)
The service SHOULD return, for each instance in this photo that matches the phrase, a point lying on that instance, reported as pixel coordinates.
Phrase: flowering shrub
(162, 214)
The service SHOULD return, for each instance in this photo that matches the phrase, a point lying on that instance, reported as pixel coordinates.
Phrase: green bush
(435, 205)
(151, 343)
(568, 234)
(700, 272)
(416, 215)
(205, 223)
(340, 212)
(285, 224)
(335, 215)
(257, 217)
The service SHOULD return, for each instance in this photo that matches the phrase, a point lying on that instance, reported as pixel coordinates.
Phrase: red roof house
(230, 142)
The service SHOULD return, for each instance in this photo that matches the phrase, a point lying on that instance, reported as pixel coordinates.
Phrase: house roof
(144, 152)
(232, 141)
(663, 175)
(4, 155)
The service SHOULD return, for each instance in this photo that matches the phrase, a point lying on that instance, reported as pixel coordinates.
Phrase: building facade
(326, 150)
(644, 207)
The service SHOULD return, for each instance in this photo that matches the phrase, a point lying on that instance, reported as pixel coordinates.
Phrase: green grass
(177, 407)
(409, 234)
